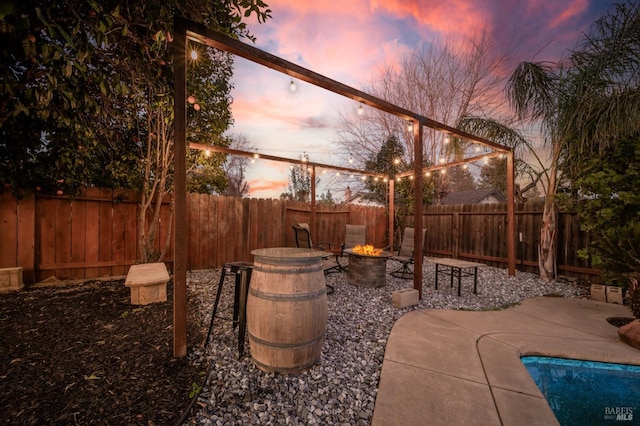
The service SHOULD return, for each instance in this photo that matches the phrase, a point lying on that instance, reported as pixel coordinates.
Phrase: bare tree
(443, 81)
(236, 166)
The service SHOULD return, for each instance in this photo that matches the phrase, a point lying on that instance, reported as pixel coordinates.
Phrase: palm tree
(580, 106)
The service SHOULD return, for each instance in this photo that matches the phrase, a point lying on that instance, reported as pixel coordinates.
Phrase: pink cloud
(270, 187)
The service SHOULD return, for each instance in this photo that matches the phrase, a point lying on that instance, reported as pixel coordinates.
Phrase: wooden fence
(477, 232)
(96, 235)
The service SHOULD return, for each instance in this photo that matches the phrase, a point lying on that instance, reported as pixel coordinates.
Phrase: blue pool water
(587, 392)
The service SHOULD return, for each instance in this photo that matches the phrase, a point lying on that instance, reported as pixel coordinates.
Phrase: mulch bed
(83, 354)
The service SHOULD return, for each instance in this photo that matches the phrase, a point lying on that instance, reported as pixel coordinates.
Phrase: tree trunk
(547, 247)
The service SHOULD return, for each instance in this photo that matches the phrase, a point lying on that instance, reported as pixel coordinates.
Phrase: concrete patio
(463, 367)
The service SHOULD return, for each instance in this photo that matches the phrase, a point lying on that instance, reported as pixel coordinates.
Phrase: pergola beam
(242, 153)
(451, 164)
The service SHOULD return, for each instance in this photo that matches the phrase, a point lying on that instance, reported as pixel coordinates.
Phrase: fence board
(26, 237)
(253, 225)
(105, 232)
(46, 253)
(8, 230)
(78, 236)
(92, 235)
(214, 208)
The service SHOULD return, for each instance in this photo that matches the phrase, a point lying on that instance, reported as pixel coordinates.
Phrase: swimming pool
(587, 392)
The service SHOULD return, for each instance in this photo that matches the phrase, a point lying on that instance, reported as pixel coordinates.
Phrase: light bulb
(207, 153)
(194, 54)
(292, 86)
(446, 139)
(360, 110)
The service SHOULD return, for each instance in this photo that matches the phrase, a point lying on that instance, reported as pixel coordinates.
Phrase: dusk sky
(349, 41)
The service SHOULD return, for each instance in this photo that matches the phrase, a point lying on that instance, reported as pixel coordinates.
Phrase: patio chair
(356, 235)
(303, 240)
(406, 254)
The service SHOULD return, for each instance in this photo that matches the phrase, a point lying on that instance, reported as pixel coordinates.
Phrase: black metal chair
(405, 254)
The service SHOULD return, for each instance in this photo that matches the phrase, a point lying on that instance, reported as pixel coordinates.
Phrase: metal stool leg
(242, 318)
(215, 304)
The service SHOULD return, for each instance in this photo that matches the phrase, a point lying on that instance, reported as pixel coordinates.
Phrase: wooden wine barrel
(286, 309)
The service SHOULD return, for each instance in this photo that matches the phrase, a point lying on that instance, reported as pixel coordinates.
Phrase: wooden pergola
(188, 30)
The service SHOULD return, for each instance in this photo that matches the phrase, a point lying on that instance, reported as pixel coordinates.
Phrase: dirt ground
(82, 354)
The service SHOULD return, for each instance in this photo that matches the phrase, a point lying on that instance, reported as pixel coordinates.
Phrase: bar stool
(242, 271)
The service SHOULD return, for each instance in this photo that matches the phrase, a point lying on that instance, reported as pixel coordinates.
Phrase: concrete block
(598, 293)
(614, 294)
(11, 279)
(148, 283)
(405, 297)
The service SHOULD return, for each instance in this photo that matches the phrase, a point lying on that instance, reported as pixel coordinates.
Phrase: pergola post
(418, 207)
(511, 222)
(312, 221)
(392, 213)
(180, 256)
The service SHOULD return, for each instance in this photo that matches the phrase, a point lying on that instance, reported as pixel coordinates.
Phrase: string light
(442, 160)
(486, 160)
(427, 174)
(446, 139)
(207, 153)
(410, 177)
(477, 148)
(360, 109)
(443, 171)
(385, 180)
(194, 54)
(350, 160)
(398, 179)
(292, 86)
(409, 125)
(465, 166)
(396, 161)
(363, 178)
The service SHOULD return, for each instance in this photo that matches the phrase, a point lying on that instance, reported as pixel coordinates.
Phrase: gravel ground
(342, 387)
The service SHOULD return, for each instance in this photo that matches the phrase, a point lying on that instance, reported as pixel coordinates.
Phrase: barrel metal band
(286, 345)
(287, 297)
(314, 268)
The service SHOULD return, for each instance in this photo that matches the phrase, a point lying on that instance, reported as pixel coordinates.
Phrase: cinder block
(614, 295)
(11, 279)
(148, 283)
(598, 293)
(404, 298)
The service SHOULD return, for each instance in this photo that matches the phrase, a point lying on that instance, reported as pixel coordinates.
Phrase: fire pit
(367, 266)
